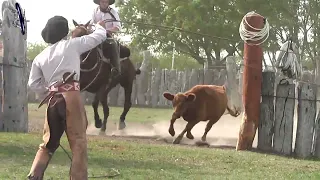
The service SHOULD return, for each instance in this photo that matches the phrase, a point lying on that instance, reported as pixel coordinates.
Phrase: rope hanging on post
(257, 35)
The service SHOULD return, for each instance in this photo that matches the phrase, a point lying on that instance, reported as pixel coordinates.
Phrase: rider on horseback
(105, 12)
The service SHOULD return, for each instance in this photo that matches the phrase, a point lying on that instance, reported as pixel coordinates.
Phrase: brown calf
(200, 103)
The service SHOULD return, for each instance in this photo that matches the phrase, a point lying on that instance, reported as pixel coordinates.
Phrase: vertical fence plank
(208, 76)
(142, 79)
(317, 136)
(232, 86)
(283, 126)
(155, 87)
(163, 87)
(306, 119)
(265, 128)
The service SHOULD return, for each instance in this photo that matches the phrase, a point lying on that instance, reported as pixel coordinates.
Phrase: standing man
(113, 25)
(65, 110)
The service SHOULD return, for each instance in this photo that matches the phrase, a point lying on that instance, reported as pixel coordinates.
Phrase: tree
(203, 17)
(33, 49)
(297, 19)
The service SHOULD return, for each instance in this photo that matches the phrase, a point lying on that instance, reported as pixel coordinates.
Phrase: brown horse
(95, 76)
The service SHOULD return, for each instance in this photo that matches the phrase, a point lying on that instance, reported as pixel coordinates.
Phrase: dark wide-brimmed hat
(98, 2)
(56, 29)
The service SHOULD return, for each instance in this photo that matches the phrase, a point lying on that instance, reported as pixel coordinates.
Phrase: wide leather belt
(71, 86)
(66, 84)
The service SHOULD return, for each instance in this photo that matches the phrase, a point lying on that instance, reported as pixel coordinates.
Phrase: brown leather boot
(40, 164)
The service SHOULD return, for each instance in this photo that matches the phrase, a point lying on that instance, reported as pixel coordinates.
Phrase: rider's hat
(98, 2)
(56, 28)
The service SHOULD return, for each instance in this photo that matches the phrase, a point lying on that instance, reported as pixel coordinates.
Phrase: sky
(39, 11)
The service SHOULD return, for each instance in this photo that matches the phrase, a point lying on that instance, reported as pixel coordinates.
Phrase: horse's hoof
(176, 141)
(190, 136)
(204, 139)
(103, 129)
(122, 125)
(98, 123)
(171, 132)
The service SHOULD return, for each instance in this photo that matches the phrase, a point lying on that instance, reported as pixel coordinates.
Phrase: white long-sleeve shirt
(49, 66)
(99, 16)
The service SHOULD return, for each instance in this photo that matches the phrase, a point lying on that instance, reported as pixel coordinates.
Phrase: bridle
(100, 59)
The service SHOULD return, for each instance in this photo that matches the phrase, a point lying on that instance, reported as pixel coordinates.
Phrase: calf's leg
(172, 121)
(208, 127)
(188, 127)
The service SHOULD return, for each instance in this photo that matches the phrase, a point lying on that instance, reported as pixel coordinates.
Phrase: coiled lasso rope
(258, 35)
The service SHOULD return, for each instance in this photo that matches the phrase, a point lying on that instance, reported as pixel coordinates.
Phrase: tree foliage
(33, 49)
(297, 19)
(203, 17)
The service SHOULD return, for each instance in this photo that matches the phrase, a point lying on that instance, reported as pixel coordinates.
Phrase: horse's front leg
(104, 102)
(95, 105)
(127, 105)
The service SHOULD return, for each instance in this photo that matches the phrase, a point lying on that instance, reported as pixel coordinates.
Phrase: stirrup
(115, 71)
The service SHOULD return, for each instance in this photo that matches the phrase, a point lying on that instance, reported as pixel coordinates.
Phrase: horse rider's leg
(127, 104)
(124, 51)
(54, 127)
(76, 125)
(115, 58)
(95, 105)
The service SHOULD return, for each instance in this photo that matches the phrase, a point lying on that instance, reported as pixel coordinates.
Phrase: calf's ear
(168, 96)
(191, 97)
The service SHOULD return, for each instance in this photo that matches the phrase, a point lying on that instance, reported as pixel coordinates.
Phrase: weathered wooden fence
(281, 101)
(14, 104)
(151, 83)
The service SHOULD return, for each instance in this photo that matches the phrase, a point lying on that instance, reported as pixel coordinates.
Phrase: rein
(100, 59)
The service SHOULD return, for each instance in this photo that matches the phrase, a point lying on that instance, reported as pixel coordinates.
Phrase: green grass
(147, 159)
(134, 115)
(152, 161)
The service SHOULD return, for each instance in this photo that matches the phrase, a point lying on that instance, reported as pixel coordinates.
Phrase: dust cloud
(223, 133)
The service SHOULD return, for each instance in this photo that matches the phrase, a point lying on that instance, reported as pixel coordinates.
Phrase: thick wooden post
(251, 89)
(265, 131)
(15, 105)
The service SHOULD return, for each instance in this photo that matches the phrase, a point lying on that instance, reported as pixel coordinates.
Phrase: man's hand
(113, 30)
(102, 23)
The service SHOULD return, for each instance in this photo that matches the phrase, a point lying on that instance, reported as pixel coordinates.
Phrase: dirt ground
(223, 134)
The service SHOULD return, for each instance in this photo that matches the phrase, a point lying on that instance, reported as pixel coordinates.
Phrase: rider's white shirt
(99, 16)
(63, 56)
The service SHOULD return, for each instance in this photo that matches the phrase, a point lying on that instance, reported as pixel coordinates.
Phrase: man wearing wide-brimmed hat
(113, 25)
(65, 112)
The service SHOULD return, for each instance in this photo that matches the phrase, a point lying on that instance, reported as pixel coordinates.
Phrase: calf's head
(180, 102)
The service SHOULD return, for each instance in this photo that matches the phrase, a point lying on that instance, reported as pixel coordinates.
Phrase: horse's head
(80, 29)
